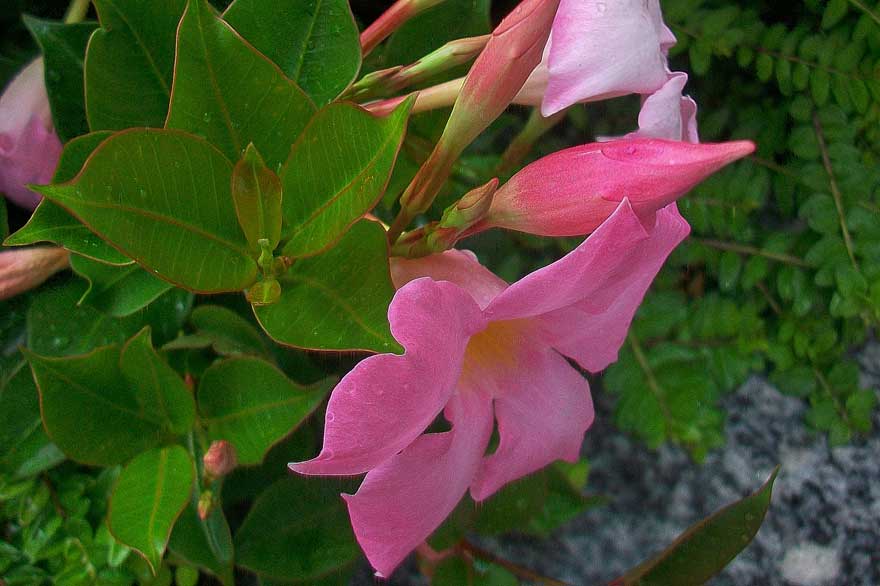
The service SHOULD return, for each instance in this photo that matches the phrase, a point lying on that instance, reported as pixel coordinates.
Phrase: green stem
(653, 384)
(866, 10)
(751, 250)
(485, 555)
(519, 148)
(826, 386)
(76, 11)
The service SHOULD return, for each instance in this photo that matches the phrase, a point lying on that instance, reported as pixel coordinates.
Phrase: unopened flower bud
(220, 459)
(571, 192)
(26, 268)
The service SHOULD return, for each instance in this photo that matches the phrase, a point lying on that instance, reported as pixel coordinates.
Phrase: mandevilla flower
(600, 49)
(29, 148)
(479, 350)
(571, 192)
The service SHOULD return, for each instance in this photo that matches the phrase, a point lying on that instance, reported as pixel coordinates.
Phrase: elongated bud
(511, 54)
(571, 192)
(471, 208)
(452, 54)
(391, 20)
(220, 459)
(26, 268)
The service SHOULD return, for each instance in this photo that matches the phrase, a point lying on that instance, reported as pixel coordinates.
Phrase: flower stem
(753, 251)
(391, 20)
(520, 147)
(76, 11)
(480, 553)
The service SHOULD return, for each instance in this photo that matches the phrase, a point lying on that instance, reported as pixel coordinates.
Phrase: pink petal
(387, 401)
(586, 299)
(667, 114)
(22, 269)
(543, 410)
(456, 266)
(28, 158)
(592, 330)
(602, 49)
(404, 500)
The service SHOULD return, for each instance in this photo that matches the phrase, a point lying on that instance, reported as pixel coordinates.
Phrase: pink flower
(571, 192)
(600, 49)
(668, 114)
(479, 350)
(22, 269)
(29, 148)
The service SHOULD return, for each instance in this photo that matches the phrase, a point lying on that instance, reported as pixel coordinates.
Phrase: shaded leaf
(117, 291)
(224, 330)
(206, 544)
(256, 191)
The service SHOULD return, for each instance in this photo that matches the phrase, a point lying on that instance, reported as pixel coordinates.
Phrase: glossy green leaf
(337, 172)
(225, 331)
(129, 63)
(160, 391)
(315, 42)
(256, 191)
(229, 93)
(24, 447)
(206, 544)
(298, 529)
(150, 494)
(163, 198)
(90, 411)
(64, 48)
(337, 300)
(52, 223)
(117, 291)
(707, 547)
(253, 405)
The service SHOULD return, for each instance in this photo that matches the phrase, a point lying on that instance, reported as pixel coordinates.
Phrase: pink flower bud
(29, 148)
(571, 192)
(23, 269)
(220, 459)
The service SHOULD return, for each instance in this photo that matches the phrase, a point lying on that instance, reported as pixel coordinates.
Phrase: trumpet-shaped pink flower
(600, 49)
(479, 351)
(29, 148)
(571, 192)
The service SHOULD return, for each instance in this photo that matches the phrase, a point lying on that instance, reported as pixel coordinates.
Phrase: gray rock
(823, 528)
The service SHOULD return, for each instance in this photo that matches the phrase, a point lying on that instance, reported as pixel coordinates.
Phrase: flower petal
(543, 411)
(387, 401)
(404, 500)
(592, 330)
(456, 266)
(667, 114)
(602, 49)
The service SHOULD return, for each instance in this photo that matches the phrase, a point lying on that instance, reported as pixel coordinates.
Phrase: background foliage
(781, 276)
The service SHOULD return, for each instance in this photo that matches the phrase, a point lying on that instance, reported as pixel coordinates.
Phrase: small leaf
(147, 191)
(210, 97)
(337, 300)
(150, 494)
(227, 332)
(337, 172)
(64, 48)
(707, 547)
(253, 405)
(298, 529)
(50, 222)
(160, 391)
(117, 291)
(315, 42)
(129, 63)
(256, 191)
(90, 411)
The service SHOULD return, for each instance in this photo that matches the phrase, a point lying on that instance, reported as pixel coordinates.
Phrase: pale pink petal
(22, 269)
(592, 330)
(456, 266)
(387, 401)
(404, 500)
(23, 98)
(543, 410)
(602, 49)
(667, 114)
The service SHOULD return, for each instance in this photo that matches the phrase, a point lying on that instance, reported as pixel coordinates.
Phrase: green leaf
(64, 48)
(207, 544)
(298, 529)
(50, 222)
(90, 411)
(337, 172)
(707, 547)
(226, 331)
(149, 192)
(256, 191)
(160, 392)
(834, 11)
(315, 42)
(337, 300)
(129, 63)
(253, 405)
(24, 447)
(150, 494)
(211, 99)
(117, 291)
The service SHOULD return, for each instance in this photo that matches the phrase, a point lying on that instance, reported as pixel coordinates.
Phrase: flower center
(494, 349)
